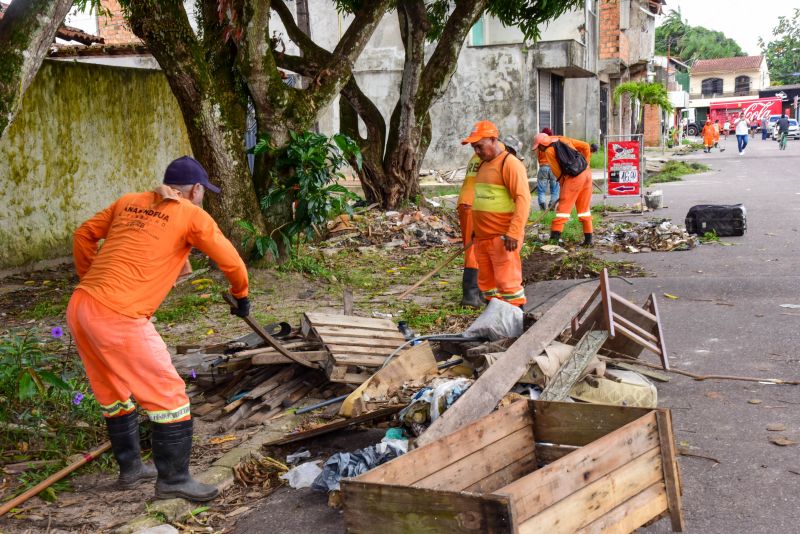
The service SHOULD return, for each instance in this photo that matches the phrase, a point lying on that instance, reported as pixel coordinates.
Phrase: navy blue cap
(188, 171)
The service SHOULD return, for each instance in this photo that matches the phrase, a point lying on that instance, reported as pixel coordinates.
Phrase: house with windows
(729, 78)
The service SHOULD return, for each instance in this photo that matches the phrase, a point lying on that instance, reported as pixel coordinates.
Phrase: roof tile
(724, 64)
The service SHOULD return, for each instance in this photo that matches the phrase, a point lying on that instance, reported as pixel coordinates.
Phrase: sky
(744, 21)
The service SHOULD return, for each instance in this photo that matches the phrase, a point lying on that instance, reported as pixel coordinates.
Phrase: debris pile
(651, 235)
(411, 228)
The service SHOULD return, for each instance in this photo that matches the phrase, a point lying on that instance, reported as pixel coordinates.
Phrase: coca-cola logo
(757, 110)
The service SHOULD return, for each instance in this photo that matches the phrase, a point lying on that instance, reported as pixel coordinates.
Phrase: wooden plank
(349, 350)
(276, 359)
(206, 408)
(642, 370)
(294, 346)
(482, 397)
(633, 307)
(547, 453)
(482, 463)
(393, 334)
(368, 323)
(578, 423)
(272, 383)
(390, 344)
(367, 360)
(605, 289)
(550, 484)
(369, 508)
(571, 370)
(351, 378)
(336, 425)
(652, 305)
(505, 476)
(435, 456)
(638, 340)
(596, 499)
(347, 298)
(635, 328)
(631, 514)
(670, 467)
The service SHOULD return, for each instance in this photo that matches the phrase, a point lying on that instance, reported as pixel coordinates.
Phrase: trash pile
(411, 228)
(648, 236)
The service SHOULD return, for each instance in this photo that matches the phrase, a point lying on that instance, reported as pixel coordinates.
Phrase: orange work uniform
(466, 196)
(576, 191)
(148, 238)
(500, 208)
(716, 133)
(708, 135)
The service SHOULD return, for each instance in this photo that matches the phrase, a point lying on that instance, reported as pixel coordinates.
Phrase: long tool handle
(436, 269)
(274, 343)
(55, 477)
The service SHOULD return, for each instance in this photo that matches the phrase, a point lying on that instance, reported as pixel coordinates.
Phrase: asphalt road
(727, 320)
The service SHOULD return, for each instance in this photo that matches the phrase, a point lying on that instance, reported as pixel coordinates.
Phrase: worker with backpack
(569, 160)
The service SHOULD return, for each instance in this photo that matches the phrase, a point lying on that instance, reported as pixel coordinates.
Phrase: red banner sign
(624, 174)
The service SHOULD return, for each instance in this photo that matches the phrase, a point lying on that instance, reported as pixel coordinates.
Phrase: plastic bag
(498, 321)
(347, 464)
(303, 475)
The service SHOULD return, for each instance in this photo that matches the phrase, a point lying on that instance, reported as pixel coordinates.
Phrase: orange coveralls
(716, 133)
(147, 242)
(464, 206)
(576, 191)
(501, 207)
(708, 135)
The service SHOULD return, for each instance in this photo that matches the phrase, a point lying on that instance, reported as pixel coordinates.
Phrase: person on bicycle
(783, 131)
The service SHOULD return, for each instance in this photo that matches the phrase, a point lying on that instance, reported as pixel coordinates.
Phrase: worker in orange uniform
(148, 237)
(576, 191)
(708, 136)
(499, 211)
(470, 293)
(716, 133)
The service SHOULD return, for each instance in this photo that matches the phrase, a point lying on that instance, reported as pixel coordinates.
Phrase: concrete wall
(729, 81)
(86, 134)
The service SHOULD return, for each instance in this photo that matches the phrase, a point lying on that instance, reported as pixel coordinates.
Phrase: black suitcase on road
(724, 220)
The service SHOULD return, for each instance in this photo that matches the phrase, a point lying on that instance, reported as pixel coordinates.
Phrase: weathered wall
(86, 134)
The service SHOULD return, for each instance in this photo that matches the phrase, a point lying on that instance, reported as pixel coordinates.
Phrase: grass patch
(47, 308)
(598, 159)
(672, 171)
(573, 230)
(423, 320)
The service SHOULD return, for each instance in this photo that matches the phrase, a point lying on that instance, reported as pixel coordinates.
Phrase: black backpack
(571, 161)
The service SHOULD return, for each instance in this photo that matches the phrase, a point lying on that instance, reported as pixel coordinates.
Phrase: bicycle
(782, 143)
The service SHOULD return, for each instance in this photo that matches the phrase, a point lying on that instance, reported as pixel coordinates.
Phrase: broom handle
(55, 477)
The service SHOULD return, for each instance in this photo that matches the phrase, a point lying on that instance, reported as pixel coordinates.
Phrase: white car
(794, 130)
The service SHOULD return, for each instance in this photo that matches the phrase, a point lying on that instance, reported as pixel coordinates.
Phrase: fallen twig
(685, 452)
(701, 378)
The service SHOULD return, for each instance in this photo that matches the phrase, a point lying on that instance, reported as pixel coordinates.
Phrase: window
(742, 85)
(712, 86)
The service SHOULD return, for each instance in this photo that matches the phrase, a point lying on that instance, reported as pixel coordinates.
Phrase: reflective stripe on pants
(575, 192)
(126, 357)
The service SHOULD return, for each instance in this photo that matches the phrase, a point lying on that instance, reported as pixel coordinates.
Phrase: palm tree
(643, 93)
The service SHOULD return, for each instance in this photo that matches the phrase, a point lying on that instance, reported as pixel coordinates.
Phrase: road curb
(219, 474)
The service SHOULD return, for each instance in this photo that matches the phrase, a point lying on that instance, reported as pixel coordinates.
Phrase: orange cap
(541, 139)
(480, 130)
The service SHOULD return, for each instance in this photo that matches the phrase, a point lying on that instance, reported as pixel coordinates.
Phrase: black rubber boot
(123, 431)
(472, 297)
(587, 240)
(172, 445)
(555, 237)
(542, 206)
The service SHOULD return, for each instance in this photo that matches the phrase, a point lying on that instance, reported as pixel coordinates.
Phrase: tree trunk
(27, 30)
(213, 108)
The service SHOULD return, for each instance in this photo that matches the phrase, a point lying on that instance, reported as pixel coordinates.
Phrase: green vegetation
(645, 93)
(689, 43)
(598, 159)
(573, 230)
(584, 262)
(781, 52)
(672, 171)
(710, 237)
(182, 308)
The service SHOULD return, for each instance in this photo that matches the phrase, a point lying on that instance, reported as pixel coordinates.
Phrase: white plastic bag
(498, 321)
(303, 475)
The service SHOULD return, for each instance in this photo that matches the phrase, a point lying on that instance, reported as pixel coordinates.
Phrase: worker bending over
(499, 211)
(148, 237)
(575, 191)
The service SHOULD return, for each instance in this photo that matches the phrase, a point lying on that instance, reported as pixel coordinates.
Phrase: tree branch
(308, 47)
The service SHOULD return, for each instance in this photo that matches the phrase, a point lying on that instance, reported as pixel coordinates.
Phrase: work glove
(243, 307)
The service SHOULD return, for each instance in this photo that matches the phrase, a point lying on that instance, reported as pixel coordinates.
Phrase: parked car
(772, 120)
(794, 130)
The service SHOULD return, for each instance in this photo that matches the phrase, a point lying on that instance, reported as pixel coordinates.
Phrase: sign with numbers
(624, 168)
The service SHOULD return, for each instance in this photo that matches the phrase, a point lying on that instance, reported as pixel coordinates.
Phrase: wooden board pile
(245, 381)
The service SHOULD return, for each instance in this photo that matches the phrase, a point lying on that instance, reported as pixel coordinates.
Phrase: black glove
(242, 308)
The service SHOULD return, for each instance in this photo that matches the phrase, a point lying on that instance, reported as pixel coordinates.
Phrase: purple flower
(56, 332)
(77, 398)
(193, 375)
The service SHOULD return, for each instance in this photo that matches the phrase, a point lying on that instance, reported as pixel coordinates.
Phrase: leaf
(199, 510)
(26, 388)
(776, 427)
(754, 401)
(782, 441)
(51, 378)
(671, 297)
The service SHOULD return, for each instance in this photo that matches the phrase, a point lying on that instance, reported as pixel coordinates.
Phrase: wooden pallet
(358, 346)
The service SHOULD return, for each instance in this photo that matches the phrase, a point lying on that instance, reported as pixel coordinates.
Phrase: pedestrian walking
(576, 191)
(708, 135)
(716, 133)
(764, 124)
(741, 126)
(546, 180)
(726, 128)
(147, 240)
(499, 212)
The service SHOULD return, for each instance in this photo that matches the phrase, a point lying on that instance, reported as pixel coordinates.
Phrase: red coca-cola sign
(753, 109)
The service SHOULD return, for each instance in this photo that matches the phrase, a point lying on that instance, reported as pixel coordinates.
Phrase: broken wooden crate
(532, 467)
(358, 346)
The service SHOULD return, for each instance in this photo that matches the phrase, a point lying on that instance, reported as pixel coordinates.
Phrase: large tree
(681, 40)
(230, 63)
(27, 30)
(783, 52)
(435, 29)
